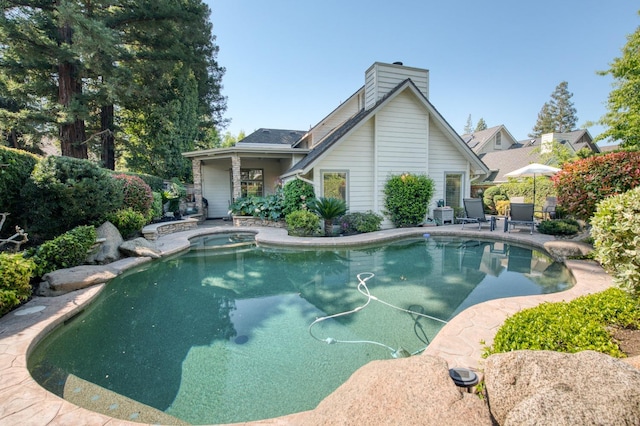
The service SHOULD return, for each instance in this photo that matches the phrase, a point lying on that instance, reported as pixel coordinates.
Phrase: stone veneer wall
(152, 232)
(256, 221)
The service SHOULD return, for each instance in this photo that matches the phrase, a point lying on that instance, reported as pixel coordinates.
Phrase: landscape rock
(633, 361)
(432, 400)
(63, 281)
(140, 247)
(552, 388)
(564, 249)
(107, 251)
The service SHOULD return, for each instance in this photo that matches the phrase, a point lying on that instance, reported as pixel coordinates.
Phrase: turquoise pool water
(222, 336)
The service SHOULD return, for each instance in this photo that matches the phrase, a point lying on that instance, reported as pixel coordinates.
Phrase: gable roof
(348, 126)
(477, 140)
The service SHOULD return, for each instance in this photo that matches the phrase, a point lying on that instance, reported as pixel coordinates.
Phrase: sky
(289, 63)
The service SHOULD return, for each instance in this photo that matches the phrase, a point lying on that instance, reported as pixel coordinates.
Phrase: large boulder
(552, 388)
(424, 394)
(107, 251)
(140, 247)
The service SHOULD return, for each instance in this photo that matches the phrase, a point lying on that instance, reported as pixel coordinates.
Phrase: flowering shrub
(297, 195)
(583, 183)
(137, 194)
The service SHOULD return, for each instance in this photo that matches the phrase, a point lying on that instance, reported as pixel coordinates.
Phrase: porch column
(235, 176)
(196, 167)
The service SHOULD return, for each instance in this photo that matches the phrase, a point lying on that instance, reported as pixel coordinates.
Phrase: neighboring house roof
(273, 137)
(608, 148)
(577, 140)
(503, 162)
(330, 140)
(477, 140)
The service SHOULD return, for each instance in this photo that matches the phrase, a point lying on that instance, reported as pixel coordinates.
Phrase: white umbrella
(532, 170)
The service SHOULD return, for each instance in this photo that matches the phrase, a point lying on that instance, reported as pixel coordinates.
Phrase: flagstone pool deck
(25, 402)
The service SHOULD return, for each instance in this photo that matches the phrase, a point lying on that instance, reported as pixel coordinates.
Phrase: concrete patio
(25, 402)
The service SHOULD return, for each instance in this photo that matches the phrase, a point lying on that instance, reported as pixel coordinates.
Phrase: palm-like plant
(328, 209)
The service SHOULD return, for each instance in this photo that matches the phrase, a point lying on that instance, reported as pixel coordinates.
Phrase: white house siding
(401, 140)
(381, 78)
(344, 112)
(444, 157)
(216, 187)
(354, 155)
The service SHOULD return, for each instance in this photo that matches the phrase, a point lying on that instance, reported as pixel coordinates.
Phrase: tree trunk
(72, 134)
(107, 137)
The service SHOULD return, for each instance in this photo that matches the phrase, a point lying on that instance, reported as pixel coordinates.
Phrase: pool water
(214, 336)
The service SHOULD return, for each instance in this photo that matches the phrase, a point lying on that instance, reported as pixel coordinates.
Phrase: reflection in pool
(215, 336)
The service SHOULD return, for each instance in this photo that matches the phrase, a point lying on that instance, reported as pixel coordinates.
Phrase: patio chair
(520, 214)
(549, 208)
(474, 212)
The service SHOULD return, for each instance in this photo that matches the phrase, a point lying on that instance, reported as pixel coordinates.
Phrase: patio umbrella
(533, 170)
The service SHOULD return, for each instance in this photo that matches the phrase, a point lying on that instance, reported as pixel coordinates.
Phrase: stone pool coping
(25, 402)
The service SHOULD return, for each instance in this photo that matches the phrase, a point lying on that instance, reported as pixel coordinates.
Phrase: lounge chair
(474, 212)
(520, 214)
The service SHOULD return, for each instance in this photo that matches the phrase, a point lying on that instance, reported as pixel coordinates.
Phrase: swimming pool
(216, 336)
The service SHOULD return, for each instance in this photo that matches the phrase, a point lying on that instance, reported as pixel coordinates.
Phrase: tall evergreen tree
(622, 120)
(468, 128)
(481, 125)
(557, 115)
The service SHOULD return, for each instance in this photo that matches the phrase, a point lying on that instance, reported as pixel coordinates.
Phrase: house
(496, 138)
(387, 127)
(519, 154)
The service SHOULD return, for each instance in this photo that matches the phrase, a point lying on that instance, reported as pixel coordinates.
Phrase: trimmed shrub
(571, 327)
(17, 168)
(65, 251)
(156, 183)
(491, 196)
(137, 194)
(15, 278)
(297, 193)
(584, 183)
(357, 223)
(616, 238)
(128, 221)
(407, 198)
(156, 210)
(302, 223)
(65, 192)
(559, 227)
(328, 209)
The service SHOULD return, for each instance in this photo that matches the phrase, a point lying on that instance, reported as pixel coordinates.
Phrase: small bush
(128, 221)
(356, 223)
(491, 196)
(65, 251)
(137, 194)
(65, 192)
(407, 198)
(15, 277)
(571, 327)
(559, 227)
(616, 238)
(297, 193)
(156, 211)
(268, 208)
(302, 223)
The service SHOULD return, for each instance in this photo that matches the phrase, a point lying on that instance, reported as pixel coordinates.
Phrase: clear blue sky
(291, 62)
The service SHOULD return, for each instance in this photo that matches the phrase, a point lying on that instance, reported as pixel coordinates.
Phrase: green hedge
(302, 223)
(296, 194)
(571, 327)
(65, 192)
(616, 238)
(16, 167)
(407, 198)
(15, 277)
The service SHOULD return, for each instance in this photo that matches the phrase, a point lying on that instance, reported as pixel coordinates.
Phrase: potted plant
(328, 209)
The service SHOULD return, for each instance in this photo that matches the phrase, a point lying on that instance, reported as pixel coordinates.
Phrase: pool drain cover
(241, 340)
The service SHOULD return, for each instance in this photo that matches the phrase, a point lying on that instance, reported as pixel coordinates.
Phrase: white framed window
(453, 189)
(334, 184)
(251, 182)
(499, 139)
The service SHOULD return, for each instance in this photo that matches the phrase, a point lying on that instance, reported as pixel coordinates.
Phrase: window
(334, 185)
(453, 189)
(251, 182)
(499, 139)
